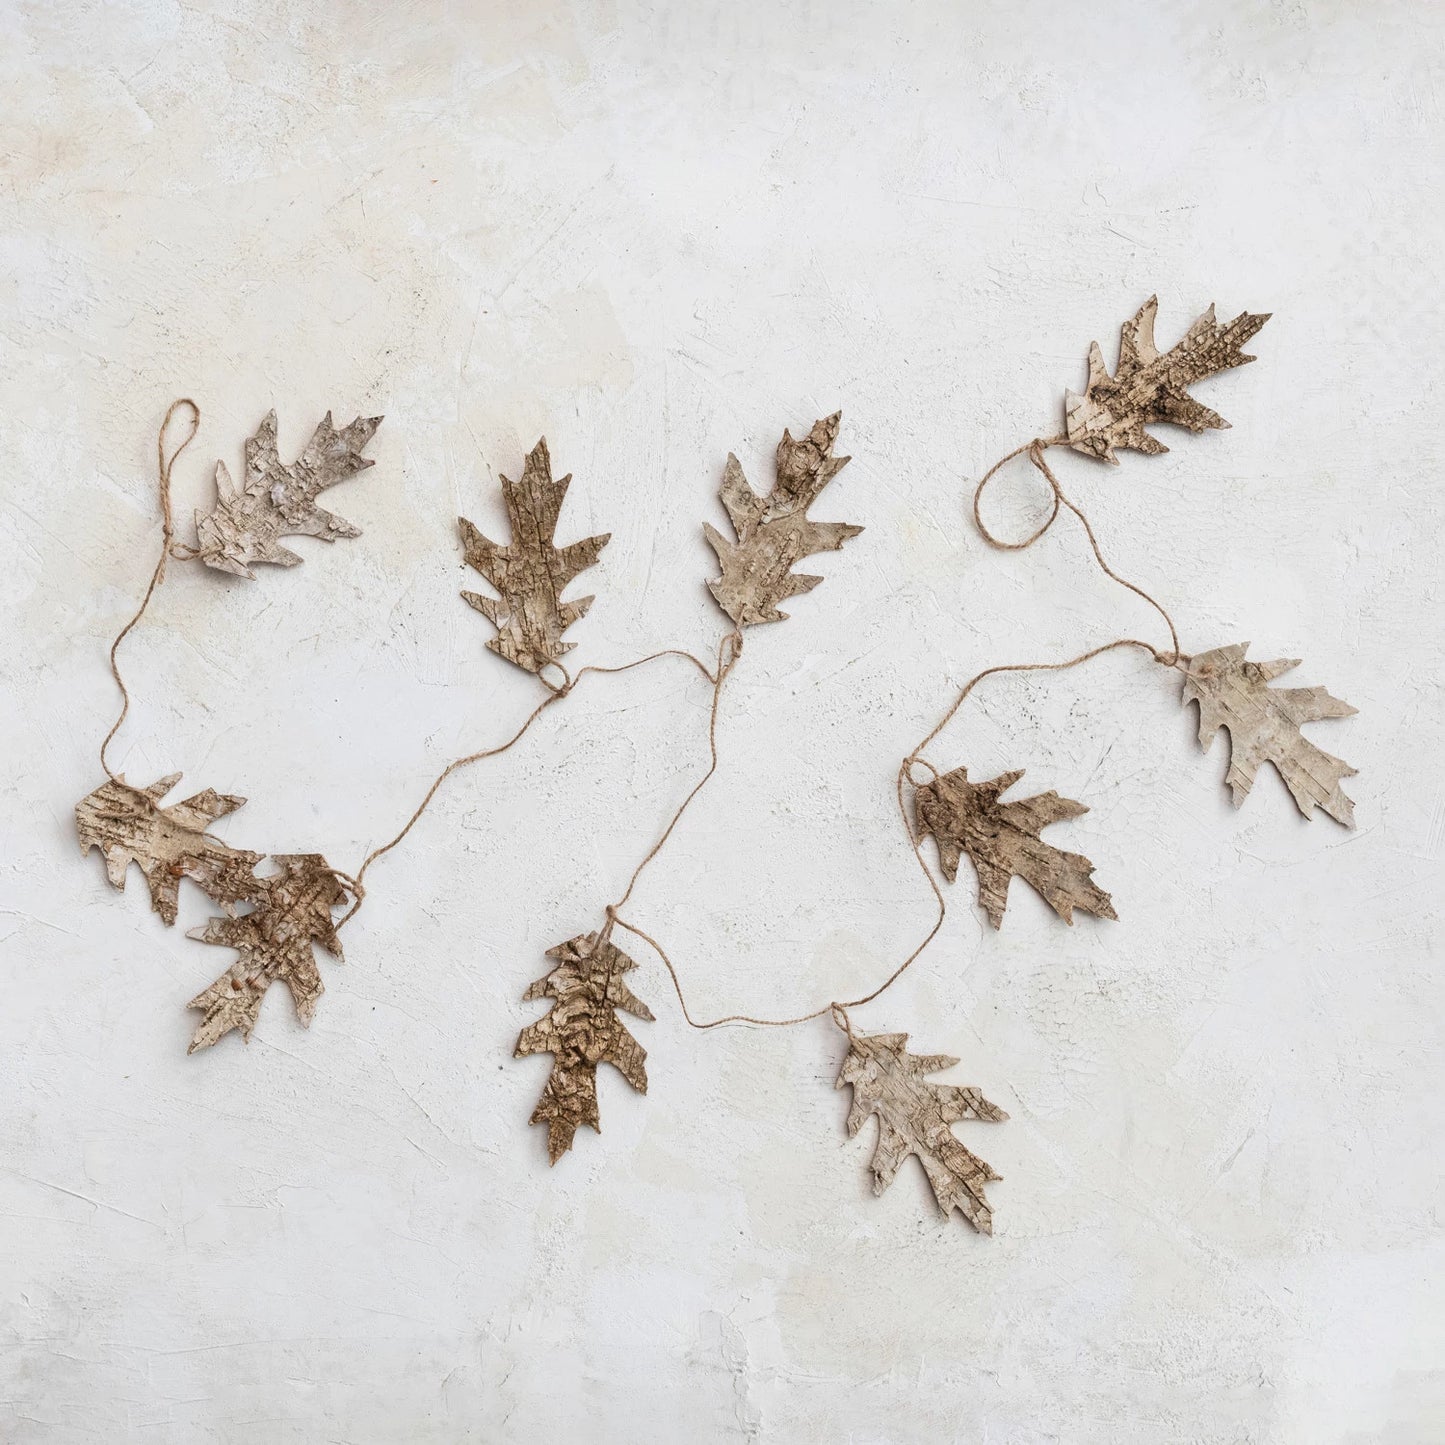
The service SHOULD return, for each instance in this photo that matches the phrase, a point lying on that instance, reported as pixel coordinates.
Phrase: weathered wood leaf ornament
(581, 1031)
(128, 825)
(531, 573)
(1002, 841)
(1263, 723)
(914, 1118)
(1153, 386)
(275, 501)
(775, 531)
(292, 910)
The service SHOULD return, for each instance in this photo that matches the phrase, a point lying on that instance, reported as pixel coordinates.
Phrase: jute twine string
(168, 527)
(555, 695)
(730, 649)
(1035, 450)
(836, 1009)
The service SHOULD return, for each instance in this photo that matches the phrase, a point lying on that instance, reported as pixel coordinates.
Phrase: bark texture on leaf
(1263, 723)
(128, 825)
(1002, 841)
(531, 573)
(914, 1118)
(1151, 386)
(775, 531)
(292, 910)
(275, 501)
(580, 1032)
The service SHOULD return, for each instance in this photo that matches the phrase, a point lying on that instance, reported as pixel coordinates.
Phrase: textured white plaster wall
(658, 233)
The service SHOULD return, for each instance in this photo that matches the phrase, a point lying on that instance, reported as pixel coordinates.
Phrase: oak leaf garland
(531, 573)
(128, 825)
(1263, 723)
(277, 501)
(914, 1117)
(292, 910)
(1002, 841)
(775, 531)
(1150, 386)
(581, 1031)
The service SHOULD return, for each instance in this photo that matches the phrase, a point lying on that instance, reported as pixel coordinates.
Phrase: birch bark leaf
(1002, 841)
(275, 501)
(914, 1118)
(292, 910)
(1153, 386)
(582, 1031)
(1263, 723)
(531, 573)
(775, 531)
(128, 825)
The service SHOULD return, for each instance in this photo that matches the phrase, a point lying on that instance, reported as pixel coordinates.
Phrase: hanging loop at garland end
(1035, 450)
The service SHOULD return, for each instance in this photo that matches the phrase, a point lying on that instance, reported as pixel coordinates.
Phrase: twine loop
(914, 761)
(164, 465)
(358, 895)
(1035, 451)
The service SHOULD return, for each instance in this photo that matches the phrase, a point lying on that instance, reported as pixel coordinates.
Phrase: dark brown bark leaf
(1151, 386)
(580, 1032)
(292, 910)
(1002, 841)
(774, 532)
(531, 573)
(128, 825)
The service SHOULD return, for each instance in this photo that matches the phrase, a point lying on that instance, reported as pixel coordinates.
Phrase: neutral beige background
(658, 234)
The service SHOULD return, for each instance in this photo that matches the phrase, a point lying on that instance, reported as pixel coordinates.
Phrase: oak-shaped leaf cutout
(1263, 723)
(531, 572)
(129, 825)
(1153, 386)
(1002, 841)
(581, 1031)
(275, 500)
(292, 911)
(914, 1117)
(775, 531)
